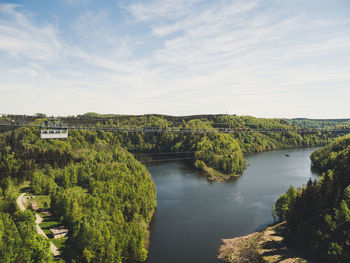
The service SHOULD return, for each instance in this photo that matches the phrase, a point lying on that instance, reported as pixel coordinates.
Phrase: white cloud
(198, 57)
(213, 18)
(19, 36)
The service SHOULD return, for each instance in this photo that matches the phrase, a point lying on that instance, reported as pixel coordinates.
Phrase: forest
(102, 194)
(219, 155)
(318, 214)
(106, 197)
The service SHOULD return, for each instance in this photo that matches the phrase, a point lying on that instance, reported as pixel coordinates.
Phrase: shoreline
(266, 246)
(148, 230)
(214, 175)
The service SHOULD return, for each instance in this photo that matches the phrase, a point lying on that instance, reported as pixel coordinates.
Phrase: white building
(59, 232)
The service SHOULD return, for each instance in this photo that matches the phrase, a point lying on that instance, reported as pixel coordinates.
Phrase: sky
(265, 58)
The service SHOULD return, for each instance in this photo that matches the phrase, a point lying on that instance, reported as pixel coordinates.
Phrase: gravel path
(38, 220)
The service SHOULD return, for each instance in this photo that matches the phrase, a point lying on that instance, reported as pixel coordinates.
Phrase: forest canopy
(100, 193)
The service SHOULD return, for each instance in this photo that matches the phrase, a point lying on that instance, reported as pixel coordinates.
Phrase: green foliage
(319, 218)
(106, 202)
(328, 157)
(228, 149)
(42, 183)
(319, 123)
(99, 191)
(284, 203)
(221, 152)
(342, 214)
(19, 241)
(24, 151)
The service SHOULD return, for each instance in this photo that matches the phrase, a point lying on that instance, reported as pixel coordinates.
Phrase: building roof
(58, 230)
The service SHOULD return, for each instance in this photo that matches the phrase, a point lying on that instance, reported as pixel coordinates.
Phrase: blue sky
(266, 58)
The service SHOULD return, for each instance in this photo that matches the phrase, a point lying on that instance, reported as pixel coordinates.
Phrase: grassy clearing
(48, 223)
(59, 242)
(44, 202)
(41, 200)
(23, 187)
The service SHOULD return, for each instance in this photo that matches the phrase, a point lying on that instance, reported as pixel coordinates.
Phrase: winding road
(38, 220)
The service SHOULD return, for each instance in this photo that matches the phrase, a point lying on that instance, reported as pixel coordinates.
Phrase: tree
(342, 214)
(284, 203)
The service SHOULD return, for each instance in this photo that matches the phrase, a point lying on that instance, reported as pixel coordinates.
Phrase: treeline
(320, 123)
(318, 214)
(331, 156)
(220, 155)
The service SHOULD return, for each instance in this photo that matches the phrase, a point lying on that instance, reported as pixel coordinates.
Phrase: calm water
(194, 214)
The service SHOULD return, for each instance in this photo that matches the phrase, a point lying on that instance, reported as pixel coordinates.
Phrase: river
(193, 214)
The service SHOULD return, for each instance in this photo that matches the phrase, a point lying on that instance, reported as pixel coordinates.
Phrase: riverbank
(266, 246)
(148, 229)
(212, 174)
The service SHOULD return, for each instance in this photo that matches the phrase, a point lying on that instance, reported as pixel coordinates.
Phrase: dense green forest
(219, 155)
(100, 192)
(318, 214)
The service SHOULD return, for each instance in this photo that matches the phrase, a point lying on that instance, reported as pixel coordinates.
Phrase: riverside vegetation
(317, 215)
(219, 155)
(101, 192)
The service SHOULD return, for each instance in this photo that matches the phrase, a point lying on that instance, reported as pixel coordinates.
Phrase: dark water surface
(194, 214)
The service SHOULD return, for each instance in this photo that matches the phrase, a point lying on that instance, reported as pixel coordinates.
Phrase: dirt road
(38, 220)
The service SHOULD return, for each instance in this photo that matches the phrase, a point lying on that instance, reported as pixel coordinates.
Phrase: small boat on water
(287, 155)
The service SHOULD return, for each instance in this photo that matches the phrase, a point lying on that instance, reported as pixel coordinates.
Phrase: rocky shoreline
(266, 246)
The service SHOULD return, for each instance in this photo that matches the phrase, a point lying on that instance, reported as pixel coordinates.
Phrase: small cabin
(58, 232)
